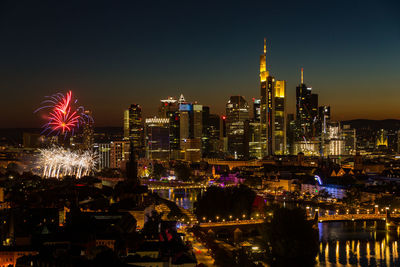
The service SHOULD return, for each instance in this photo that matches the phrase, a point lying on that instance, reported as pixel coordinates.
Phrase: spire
(302, 81)
(265, 45)
(181, 99)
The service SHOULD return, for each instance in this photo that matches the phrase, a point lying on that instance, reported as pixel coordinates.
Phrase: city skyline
(351, 62)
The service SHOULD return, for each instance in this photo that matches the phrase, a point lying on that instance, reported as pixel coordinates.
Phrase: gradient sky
(113, 53)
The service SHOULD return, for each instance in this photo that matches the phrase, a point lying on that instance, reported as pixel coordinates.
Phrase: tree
(353, 197)
(158, 170)
(290, 239)
(323, 194)
(182, 172)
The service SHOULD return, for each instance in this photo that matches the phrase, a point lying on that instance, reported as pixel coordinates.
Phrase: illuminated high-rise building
(88, 131)
(119, 153)
(306, 110)
(279, 119)
(215, 136)
(254, 136)
(185, 110)
(157, 138)
(256, 110)
(197, 121)
(103, 152)
(170, 109)
(350, 140)
(254, 131)
(133, 127)
(273, 111)
(237, 113)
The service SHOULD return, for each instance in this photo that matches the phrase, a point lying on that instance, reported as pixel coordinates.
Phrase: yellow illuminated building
(273, 111)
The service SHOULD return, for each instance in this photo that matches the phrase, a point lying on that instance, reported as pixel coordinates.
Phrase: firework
(57, 162)
(64, 116)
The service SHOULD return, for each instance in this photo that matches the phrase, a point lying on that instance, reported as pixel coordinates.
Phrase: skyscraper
(306, 110)
(133, 127)
(237, 112)
(256, 110)
(157, 138)
(88, 131)
(279, 119)
(103, 152)
(273, 111)
(185, 110)
(170, 109)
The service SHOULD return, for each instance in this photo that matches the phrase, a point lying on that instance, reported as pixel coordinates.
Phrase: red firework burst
(63, 117)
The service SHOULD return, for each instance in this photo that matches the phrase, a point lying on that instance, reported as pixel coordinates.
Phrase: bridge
(175, 186)
(230, 228)
(317, 218)
(355, 217)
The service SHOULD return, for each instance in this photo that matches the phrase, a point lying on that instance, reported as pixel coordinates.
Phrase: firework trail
(64, 116)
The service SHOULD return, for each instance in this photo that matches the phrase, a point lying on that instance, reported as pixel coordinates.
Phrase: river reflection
(182, 197)
(357, 244)
(341, 243)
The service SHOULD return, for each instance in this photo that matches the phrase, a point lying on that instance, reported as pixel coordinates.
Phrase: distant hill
(389, 124)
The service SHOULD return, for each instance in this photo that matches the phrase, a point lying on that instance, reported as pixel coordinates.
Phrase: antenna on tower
(302, 81)
(265, 45)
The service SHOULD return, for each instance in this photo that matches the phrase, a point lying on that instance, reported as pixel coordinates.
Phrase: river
(341, 243)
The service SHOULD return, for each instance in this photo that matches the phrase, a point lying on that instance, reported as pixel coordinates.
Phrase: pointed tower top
(182, 99)
(302, 81)
(265, 45)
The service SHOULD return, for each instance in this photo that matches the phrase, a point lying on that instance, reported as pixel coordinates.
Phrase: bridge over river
(251, 223)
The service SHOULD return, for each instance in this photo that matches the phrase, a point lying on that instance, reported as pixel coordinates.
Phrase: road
(201, 253)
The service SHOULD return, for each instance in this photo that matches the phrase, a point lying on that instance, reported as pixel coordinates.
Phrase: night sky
(113, 53)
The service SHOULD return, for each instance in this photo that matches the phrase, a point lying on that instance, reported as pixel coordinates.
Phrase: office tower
(273, 111)
(350, 140)
(133, 127)
(88, 132)
(197, 123)
(237, 112)
(157, 138)
(119, 153)
(126, 124)
(324, 114)
(256, 110)
(254, 138)
(290, 132)
(169, 108)
(314, 116)
(279, 119)
(185, 110)
(223, 135)
(103, 152)
(214, 131)
(306, 105)
(192, 148)
(205, 138)
(335, 140)
(254, 131)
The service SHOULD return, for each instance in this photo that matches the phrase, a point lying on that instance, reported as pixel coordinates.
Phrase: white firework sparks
(57, 162)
